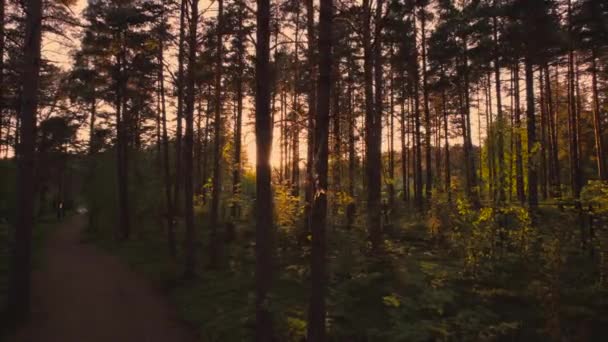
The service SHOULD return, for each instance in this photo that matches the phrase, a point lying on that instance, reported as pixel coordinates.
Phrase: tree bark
(122, 142)
(554, 170)
(575, 177)
(204, 147)
(19, 285)
(238, 125)
(312, 100)
(171, 244)
(519, 168)
(190, 238)
(2, 89)
(404, 149)
(490, 134)
(417, 134)
(350, 212)
(180, 105)
(597, 123)
(500, 123)
(390, 136)
(373, 124)
(295, 125)
(264, 247)
(337, 147)
(544, 178)
(317, 310)
(215, 243)
(472, 191)
(427, 112)
(448, 176)
(531, 130)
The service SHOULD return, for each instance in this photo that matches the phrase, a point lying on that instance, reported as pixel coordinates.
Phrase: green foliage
(595, 194)
(342, 200)
(288, 209)
(439, 218)
(457, 273)
(145, 193)
(100, 193)
(42, 229)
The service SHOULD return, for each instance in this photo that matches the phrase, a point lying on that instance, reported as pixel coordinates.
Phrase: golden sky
(59, 49)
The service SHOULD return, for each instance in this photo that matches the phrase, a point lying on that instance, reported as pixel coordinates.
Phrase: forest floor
(82, 293)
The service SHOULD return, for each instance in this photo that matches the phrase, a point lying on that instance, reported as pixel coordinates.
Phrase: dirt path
(82, 294)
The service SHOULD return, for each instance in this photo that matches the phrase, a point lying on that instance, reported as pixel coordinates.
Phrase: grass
(42, 229)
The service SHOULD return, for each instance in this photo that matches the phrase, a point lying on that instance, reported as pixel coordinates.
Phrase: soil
(83, 294)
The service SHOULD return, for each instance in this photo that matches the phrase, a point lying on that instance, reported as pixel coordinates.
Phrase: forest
(304, 170)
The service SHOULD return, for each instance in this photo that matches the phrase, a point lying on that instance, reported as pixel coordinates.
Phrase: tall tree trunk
(312, 99)
(198, 145)
(427, 113)
(238, 125)
(500, 122)
(374, 128)
(411, 151)
(337, 148)
(575, 177)
(404, 149)
(579, 107)
(479, 141)
(472, 190)
(180, 105)
(490, 133)
(597, 123)
(122, 142)
(519, 168)
(93, 147)
(19, 285)
(437, 142)
(552, 122)
(16, 138)
(373, 206)
(171, 244)
(92, 119)
(512, 135)
(215, 243)
(391, 146)
(378, 63)
(295, 125)
(2, 89)
(531, 130)
(448, 176)
(190, 238)
(350, 212)
(205, 148)
(465, 145)
(264, 235)
(158, 146)
(417, 135)
(544, 179)
(318, 272)
(282, 130)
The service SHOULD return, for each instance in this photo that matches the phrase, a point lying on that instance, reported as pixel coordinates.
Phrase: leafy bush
(288, 210)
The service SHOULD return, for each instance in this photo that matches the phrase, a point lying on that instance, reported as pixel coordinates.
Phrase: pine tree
(215, 244)
(190, 239)
(19, 286)
(264, 236)
(318, 263)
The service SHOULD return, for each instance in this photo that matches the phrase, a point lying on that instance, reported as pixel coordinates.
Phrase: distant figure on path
(60, 211)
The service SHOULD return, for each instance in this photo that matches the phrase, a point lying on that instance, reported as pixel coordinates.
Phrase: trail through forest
(82, 293)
